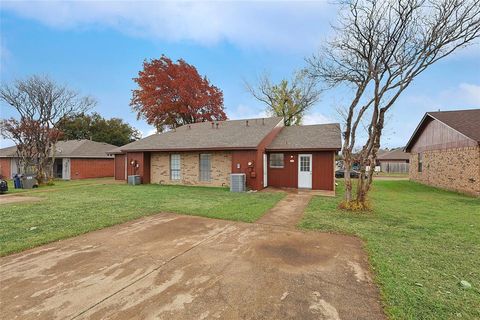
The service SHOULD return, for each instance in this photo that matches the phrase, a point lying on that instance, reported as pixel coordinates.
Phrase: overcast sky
(98, 47)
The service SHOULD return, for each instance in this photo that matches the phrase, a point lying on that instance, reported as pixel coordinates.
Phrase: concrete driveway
(181, 267)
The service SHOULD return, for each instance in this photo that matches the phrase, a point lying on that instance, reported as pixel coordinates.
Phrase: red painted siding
(254, 172)
(5, 169)
(242, 158)
(260, 151)
(143, 160)
(323, 170)
(91, 168)
(287, 177)
(146, 167)
(120, 167)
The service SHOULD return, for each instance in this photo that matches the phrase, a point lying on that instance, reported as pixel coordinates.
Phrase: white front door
(305, 171)
(66, 169)
(265, 176)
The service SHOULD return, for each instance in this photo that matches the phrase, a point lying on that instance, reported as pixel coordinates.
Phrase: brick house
(445, 151)
(207, 153)
(74, 159)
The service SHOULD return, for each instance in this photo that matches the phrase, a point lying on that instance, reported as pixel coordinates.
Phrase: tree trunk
(361, 196)
(347, 165)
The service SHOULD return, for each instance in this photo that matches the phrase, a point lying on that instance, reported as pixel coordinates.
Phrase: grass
(71, 209)
(391, 174)
(421, 243)
(59, 184)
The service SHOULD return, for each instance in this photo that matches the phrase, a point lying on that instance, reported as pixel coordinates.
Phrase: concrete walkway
(288, 211)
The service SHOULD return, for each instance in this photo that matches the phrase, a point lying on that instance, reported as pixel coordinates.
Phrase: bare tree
(379, 48)
(287, 99)
(41, 103)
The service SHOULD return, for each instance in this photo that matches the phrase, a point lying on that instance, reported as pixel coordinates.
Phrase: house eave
(186, 149)
(301, 149)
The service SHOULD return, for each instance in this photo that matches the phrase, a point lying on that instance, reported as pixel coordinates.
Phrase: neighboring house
(394, 161)
(74, 159)
(445, 151)
(207, 153)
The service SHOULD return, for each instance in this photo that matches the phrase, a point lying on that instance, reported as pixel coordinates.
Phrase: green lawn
(70, 209)
(60, 184)
(391, 174)
(421, 243)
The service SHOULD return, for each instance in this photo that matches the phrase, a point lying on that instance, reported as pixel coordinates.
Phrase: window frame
(303, 164)
(420, 162)
(175, 177)
(276, 166)
(205, 176)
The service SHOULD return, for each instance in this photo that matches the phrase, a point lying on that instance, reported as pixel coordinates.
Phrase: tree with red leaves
(174, 94)
(30, 148)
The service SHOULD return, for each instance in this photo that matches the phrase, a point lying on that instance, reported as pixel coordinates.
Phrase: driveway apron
(171, 266)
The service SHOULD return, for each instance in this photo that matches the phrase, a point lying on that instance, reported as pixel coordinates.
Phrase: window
(276, 160)
(205, 167)
(420, 162)
(304, 164)
(175, 173)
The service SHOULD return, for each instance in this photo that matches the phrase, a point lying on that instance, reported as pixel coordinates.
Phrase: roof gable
(467, 122)
(464, 122)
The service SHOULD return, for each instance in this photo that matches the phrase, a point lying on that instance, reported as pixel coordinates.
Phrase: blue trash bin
(17, 182)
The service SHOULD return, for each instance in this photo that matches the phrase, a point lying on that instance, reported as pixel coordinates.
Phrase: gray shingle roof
(72, 149)
(394, 154)
(318, 136)
(8, 152)
(230, 134)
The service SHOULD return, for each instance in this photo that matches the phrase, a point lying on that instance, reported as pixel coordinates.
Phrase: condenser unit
(238, 182)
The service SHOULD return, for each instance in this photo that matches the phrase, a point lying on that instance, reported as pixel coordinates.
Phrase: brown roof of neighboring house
(71, 149)
(394, 154)
(311, 137)
(467, 122)
(227, 135)
(464, 121)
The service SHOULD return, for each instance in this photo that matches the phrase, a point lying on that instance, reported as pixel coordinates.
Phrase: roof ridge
(461, 110)
(316, 124)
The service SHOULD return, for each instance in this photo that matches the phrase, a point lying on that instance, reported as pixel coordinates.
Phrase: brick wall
(5, 170)
(189, 161)
(91, 168)
(452, 169)
(120, 167)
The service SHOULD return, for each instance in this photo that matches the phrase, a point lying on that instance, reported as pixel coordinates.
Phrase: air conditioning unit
(238, 182)
(134, 180)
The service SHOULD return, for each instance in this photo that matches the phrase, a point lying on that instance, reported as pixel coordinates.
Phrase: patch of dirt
(8, 198)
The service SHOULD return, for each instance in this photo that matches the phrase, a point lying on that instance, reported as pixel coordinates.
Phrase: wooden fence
(394, 167)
